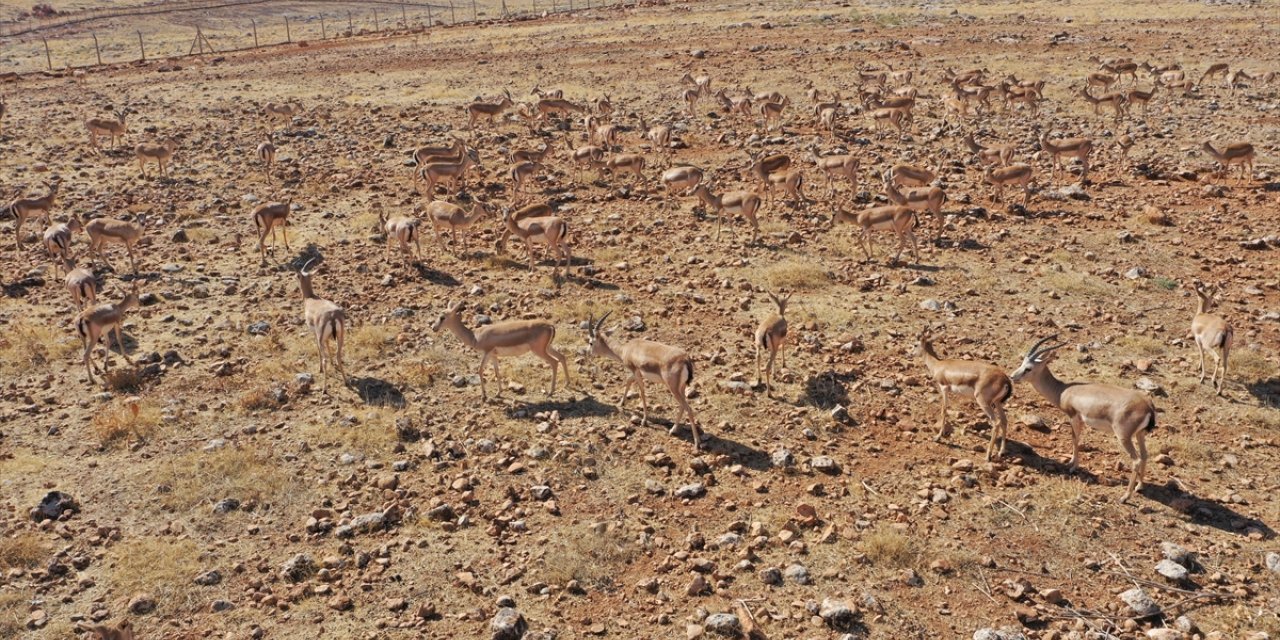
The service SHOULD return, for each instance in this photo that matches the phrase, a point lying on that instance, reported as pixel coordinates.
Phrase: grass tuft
(890, 548)
(124, 419)
(162, 568)
(25, 346)
(22, 550)
(593, 559)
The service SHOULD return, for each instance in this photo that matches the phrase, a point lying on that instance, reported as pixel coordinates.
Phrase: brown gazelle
(658, 135)
(772, 111)
(928, 199)
(901, 221)
(57, 238)
(122, 630)
(446, 215)
(533, 155)
(990, 155)
(283, 111)
(402, 230)
(503, 339)
(762, 168)
(792, 183)
(1213, 334)
(1240, 153)
(422, 154)
(3, 109)
(106, 127)
(986, 383)
(632, 163)
(453, 173)
(1216, 69)
(838, 166)
(535, 225)
(104, 231)
(682, 179)
(267, 155)
(588, 157)
(1138, 96)
(268, 216)
(906, 175)
(522, 173)
(157, 152)
(1125, 413)
(647, 360)
(104, 318)
(24, 208)
(1117, 100)
(487, 110)
(744, 203)
(80, 282)
(327, 322)
(1079, 148)
(771, 335)
(1017, 174)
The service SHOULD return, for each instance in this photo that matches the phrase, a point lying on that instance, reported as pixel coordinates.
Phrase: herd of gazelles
(1126, 413)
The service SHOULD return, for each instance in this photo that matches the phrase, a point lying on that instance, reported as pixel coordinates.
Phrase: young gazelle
(104, 231)
(402, 230)
(106, 127)
(986, 383)
(158, 153)
(283, 112)
(1126, 413)
(80, 282)
(506, 338)
(762, 168)
(548, 107)
(446, 215)
(1240, 153)
(690, 98)
(267, 155)
(837, 166)
(744, 203)
(1115, 99)
(792, 183)
(100, 319)
(487, 110)
(1212, 334)
(1017, 174)
(1138, 96)
(1079, 148)
(921, 198)
(521, 173)
(533, 227)
(268, 216)
(996, 154)
(23, 208)
(647, 360)
(772, 111)
(772, 335)
(901, 221)
(327, 322)
(57, 238)
(454, 173)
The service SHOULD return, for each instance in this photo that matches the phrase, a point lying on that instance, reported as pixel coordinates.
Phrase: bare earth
(920, 539)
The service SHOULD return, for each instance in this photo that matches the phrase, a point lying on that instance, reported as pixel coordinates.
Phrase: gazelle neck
(1048, 385)
(464, 334)
(930, 356)
(304, 283)
(603, 348)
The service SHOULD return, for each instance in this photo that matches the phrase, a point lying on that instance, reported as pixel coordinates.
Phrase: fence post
(47, 58)
(475, 16)
(96, 48)
(142, 48)
(351, 27)
(255, 32)
(288, 36)
(324, 35)
(570, 6)
(377, 27)
(431, 21)
(535, 7)
(404, 16)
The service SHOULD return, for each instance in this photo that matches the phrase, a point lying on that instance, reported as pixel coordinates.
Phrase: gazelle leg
(1135, 464)
(942, 416)
(1077, 425)
(120, 344)
(564, 362)
(484, 360)
(1200, 348)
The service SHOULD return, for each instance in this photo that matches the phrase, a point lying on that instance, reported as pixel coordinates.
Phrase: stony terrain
(216, 491)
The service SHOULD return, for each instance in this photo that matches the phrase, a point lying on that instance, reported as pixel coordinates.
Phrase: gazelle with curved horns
(1079, 148)
(446, 215)
(1241, 153)
(487, 110)
(772, 335)
(1126, 413)
(1213, 334)
(647, 360)
(327, 322)
(108, 128)
(268, 216)
(986, 383)
(24, 208)
(104, 319)
(505, 338)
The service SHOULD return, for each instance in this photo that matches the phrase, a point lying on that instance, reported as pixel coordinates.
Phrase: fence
(200, 27)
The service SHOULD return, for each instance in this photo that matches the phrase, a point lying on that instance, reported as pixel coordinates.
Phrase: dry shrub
(369, 342)
(21, 551)
(124, 419)
(796, 275)
(162, 568)
(1247, 366)
(890, 548)
(259, 399)
(203, 478)
(593, 559)
(13, 613)
(123, 379)
(26, 345)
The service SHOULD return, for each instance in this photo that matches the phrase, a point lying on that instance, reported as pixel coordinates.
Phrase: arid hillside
(218, 484)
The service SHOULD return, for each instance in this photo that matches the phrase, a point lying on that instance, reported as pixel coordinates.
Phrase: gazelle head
(449, 315)
(594, 339)
(1036, 358)
(1208, 295)
(781, 302)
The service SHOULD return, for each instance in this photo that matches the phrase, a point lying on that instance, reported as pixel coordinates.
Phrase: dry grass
(370, 342)
(26, 346)
(202, 478)
(890, 548)
(1248, 367)
(593, 559)
(126, 379)
(23, 550)
(261, 398)
(162, 568)
(427, 366)
(13, 613)
(125, 419)
(373, 434)
(794, 275)
(1077, 284)
(1138, 345)
(1187, 450)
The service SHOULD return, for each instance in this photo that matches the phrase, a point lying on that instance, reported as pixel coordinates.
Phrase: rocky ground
(214, 490)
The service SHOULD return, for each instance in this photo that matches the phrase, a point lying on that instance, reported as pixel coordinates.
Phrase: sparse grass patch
(22, 550)
(126, 379)
(203, 478)
(259, 399)
(27, 345)
(13, 613)
(1187, 450)
(1248, 366)
(795, 275)
(124, 419)
(374, 432)
(1265, 417)
(427, 364)
(1076, 283)
(1168, 284)
(1144, 346)
(162, 568)
(593, 559)
(202, 235)
(890, 548)
(370, 342)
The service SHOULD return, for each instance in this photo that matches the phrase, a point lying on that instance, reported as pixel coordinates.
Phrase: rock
(1140, 603)
(1272, 561)
(931, 305)
(825, 464)
(508, 624)
(1171, 570)
(1164, 634)
(218, 606)
(53, 505)
(1184, 624)
(1135, 273)
(209, 578)
(1074, 191)
(698, 587)
(690, 491)
(541, 493)
(226, 505)
(798, 574)
(340, 603)
(298, 568)
(442, 513)
(1148, 385)
(837, 614)
(1175, 553)
(141, 604)
(998, 634)
(782, 458)
(37, 620)
(771, 576)
(724, 624)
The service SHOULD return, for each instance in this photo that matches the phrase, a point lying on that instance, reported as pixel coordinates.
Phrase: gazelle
(549, 230)
(764, 167)
(1078, 148)
(792, 183)
(907, 175)
(1240, 153)
(503, 339)
(883, 118)
(24, 208)
(605, 135)
(920, 198)
(1016, 174)
(1100, 80)
(1122, 68)
(283, 111)
(744, 203)
(404, 231)
(521, 173)
(647, 360)
(487, 110)
(106, 127)
(327, 322)
(454, 173)
(986, 383)
(100, 319)
(590, 157)
(57, 238)
(80, 283)
(772, 111)
(1126, 413)
(533, 155)
(690, 99)
(1213, 334)
(1138, 96)
(659, 136)
(604, 105)
(901, 221)
(1216, 69)
(103, 231)
(267, 155)
(122, 630)
(541, 93)
(268, 216)
(446, 215)
(822, 105)
(702, 83)
(771, 334)
(548, 107)
(682, 179)
(992, 155)
(1115, 99)
(422, 154)
(837, 166)
(632, 163)
(827, 120)
(159, 153)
